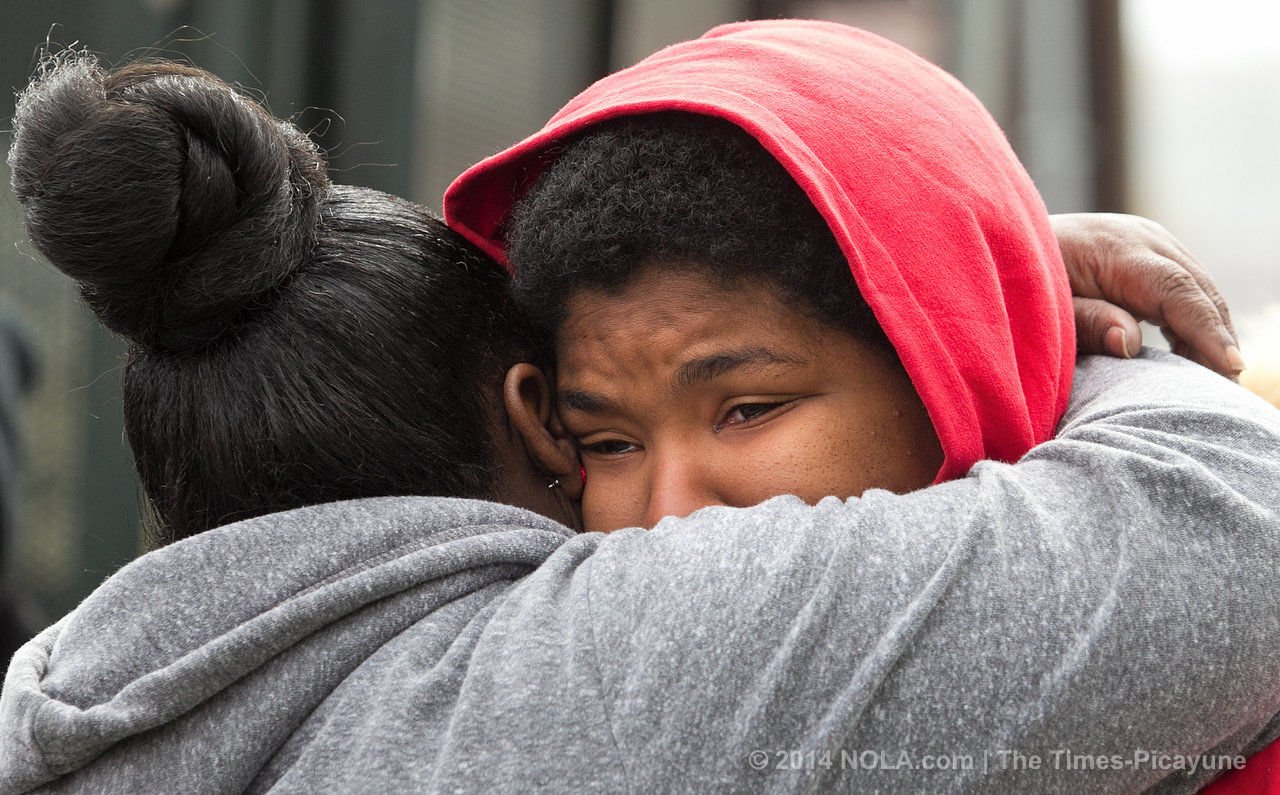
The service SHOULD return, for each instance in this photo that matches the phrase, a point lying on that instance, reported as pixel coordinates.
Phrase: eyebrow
(589, 402)
(709, 368)
(691, 373)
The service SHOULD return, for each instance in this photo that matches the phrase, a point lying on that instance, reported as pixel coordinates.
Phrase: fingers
(1160, 241)
(1176, 301)
(1104, 328)
(1191, 315)
(1185, 349)
(1211, 290)
(1136, 265)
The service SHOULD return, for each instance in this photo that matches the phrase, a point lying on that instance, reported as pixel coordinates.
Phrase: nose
(678, 486)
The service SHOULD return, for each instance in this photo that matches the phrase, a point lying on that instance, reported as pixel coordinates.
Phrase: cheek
(610, 503)
(878, 445)
(839, 449)
(808, 461)
(842, 463)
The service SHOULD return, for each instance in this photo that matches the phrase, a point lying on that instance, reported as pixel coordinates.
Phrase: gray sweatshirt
(1092, 618)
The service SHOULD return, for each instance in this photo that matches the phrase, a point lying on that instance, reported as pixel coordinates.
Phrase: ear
(531, 410)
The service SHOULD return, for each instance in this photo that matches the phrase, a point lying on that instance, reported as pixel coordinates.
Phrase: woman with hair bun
(292, 342)
(304, 356)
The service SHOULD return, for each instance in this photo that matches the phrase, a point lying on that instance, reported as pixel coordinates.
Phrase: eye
(747, 413)
(608, 447)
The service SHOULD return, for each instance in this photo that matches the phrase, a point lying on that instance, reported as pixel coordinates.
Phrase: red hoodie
(947, 238)
(1260, 776)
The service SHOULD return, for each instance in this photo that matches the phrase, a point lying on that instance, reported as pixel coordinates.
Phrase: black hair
(291, 341)
(677, 190)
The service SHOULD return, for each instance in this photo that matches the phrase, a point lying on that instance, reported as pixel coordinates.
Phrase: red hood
(944, 232)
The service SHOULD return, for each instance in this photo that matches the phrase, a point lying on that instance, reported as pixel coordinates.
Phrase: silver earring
(554, 484)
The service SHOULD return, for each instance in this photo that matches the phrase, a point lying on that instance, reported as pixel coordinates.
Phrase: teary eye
(744, 413)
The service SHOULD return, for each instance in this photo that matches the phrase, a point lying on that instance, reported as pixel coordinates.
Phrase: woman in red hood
(901, 176)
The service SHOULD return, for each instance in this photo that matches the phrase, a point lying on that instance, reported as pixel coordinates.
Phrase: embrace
(731, 436)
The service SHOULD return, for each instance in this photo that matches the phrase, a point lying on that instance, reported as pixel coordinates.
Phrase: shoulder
(1158, 380)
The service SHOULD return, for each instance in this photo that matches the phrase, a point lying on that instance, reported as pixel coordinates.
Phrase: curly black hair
(677, 190)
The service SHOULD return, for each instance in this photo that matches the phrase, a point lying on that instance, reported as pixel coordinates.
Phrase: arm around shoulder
(1113, 594)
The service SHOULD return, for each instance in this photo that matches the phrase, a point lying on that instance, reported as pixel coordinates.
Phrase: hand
(1123, 269)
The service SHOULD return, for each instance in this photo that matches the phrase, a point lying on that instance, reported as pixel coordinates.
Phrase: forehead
(664, 317)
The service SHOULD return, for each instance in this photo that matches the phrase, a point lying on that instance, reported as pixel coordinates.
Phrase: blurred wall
(1204, 137)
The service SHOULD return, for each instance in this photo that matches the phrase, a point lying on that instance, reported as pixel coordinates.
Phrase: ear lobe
(531, 410)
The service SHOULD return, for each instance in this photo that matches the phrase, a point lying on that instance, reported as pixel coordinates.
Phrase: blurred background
(1168, 108)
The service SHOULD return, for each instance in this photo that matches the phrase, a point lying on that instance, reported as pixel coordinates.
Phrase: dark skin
(538, 466)
(1122, 269)
(682, 393)
(1125, 268)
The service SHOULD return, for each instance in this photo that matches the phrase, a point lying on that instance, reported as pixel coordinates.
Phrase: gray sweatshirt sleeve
(1091, 618)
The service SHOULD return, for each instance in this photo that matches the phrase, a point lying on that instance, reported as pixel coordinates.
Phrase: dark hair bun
(177, 204)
